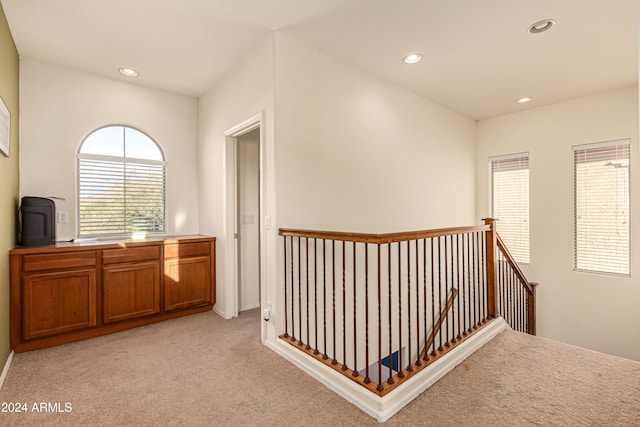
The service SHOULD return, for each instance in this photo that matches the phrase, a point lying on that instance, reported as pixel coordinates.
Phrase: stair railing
(380, 307)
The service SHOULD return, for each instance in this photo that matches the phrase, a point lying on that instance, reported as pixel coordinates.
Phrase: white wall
(60, 107)
(356, 153)
(246, 91)
(596, 311)
(347, 151)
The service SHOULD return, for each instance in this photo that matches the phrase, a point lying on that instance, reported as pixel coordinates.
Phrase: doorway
(248, 219)
(244, 265)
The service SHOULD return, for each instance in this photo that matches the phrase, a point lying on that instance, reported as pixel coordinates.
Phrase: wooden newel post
(492, 247)
(531, 321)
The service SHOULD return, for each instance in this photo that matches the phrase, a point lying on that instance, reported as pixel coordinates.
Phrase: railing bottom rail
(397, 380)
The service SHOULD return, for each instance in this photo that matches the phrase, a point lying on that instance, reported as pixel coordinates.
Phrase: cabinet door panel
(130, 291)
(58, 302)
(187, 282)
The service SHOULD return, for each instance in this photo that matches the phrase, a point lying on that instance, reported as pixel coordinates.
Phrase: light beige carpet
(204, 371)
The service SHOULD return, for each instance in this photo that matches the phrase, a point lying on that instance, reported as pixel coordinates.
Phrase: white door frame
(230, 213)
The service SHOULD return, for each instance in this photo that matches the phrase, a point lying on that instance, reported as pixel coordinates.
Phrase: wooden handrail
(514, 265)
(438, 324)
(381, 238)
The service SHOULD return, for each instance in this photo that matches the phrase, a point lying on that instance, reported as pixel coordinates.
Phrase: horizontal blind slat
(601, 237)
(117, 198)
(510, 203)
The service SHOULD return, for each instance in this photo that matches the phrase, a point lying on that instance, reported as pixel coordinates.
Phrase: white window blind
(510, 202)
(120, 194)
(602, 207)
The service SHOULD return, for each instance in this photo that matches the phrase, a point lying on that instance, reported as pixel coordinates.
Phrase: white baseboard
(250, 306)
(221, 313)
(5, 371)
(383, 408)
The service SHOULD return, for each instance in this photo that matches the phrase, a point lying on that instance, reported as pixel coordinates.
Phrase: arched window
(121, 183)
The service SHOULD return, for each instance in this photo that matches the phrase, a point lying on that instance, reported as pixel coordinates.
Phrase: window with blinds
(121, 183)
(602, 207)
(510, 202)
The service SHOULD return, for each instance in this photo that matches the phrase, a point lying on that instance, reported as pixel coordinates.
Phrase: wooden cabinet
(186, 282)
(187, 275)
(130, 282)
(130, 290)
(58, 302)
(68, 292)
(58, 293)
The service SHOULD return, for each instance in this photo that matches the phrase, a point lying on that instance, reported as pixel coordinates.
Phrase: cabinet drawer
(57, 261)
(142, 253)
(181, 250)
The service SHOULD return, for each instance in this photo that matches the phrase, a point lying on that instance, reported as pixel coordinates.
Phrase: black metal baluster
(433, 298)
(367, 380)
(424, 297)
(315, 294)
(299, 291)
(418, 362)
(469, 279)
(344, 309)
(380, 387)
(400, 370)
(390, 380)
(458, 275)
(441, 348)
(334, 360)
(324, 298)
(409, 367)
(484, 289)
(308, 338)
(450, 291)
(355, 321)
(286, 308)
(475, 280)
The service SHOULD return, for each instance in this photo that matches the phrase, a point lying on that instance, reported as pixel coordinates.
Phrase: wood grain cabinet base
(59, 302)
(130, 291)
(68, 292)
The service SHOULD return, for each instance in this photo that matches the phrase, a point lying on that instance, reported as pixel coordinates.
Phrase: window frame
(124, 160)
(614, 144)
(507, 157)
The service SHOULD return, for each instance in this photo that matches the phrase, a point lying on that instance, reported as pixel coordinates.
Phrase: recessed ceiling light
(541, 26)
(412, 58)
(129, 72)
(524, 100)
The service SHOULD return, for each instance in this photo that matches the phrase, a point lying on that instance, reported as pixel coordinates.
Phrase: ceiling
(478, 56)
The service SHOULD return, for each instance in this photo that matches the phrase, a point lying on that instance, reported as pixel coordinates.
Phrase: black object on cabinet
(37, 221)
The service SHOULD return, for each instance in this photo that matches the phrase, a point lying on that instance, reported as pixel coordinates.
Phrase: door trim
(230, 212)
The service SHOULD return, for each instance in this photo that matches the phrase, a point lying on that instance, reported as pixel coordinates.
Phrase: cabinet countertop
(106, 243)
